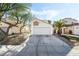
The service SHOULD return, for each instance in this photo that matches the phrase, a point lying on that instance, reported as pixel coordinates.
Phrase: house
(69, 20)
(41, 27)
(71, 27)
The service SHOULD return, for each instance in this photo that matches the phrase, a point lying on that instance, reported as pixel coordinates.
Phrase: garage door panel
(41, 31)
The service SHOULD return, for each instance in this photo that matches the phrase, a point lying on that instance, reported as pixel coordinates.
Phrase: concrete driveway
(43, 45)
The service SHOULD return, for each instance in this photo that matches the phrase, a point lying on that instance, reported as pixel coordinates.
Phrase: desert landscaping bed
(15, 39)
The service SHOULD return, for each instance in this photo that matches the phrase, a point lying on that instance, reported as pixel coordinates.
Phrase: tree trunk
(0, 18)
(6, 34)
(21, 28)
(59, 31)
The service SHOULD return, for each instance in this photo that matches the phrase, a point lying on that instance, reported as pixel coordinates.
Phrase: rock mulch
(9, 50)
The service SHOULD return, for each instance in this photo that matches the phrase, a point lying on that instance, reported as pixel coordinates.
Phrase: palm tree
(58, 25)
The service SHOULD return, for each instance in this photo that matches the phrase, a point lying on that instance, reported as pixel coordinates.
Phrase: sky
(55, 11)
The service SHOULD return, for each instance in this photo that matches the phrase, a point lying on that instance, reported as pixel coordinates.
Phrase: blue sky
(55, 11)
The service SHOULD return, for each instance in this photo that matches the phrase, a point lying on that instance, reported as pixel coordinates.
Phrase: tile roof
(74, 24)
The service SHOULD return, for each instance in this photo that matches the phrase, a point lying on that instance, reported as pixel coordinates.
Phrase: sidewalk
(9, 50)
(74, 51)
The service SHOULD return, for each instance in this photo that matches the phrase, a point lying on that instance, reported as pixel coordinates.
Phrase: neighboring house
(41, 27)
(69, 21)
(74, 28)
(71, 27)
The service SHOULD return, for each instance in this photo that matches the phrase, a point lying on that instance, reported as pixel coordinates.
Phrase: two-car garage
(41, 31)
(41, 28)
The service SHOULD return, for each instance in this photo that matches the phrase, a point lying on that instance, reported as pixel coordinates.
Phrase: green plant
(58, 25)
(14, 11)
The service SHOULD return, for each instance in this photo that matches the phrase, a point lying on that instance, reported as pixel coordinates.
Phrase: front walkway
(41, 45)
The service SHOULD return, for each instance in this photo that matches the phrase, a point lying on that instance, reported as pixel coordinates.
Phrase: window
(35, 23)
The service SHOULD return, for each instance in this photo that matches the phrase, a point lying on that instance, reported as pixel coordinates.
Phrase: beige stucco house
(74, 28)
(41, 27)
(71, 25)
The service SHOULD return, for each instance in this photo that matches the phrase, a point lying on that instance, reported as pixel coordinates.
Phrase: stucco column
(63, 30)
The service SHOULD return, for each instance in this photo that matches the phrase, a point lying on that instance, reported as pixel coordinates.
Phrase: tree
(26, 20)
(58, 25)
(22, 16)
(18, 12)
(5, 7)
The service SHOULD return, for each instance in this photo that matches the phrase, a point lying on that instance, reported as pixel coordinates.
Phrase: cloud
(45, 14)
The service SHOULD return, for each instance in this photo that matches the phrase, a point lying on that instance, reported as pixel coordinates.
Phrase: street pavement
(44, 45)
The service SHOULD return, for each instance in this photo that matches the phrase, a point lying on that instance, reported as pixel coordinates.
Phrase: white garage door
(41, 31)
